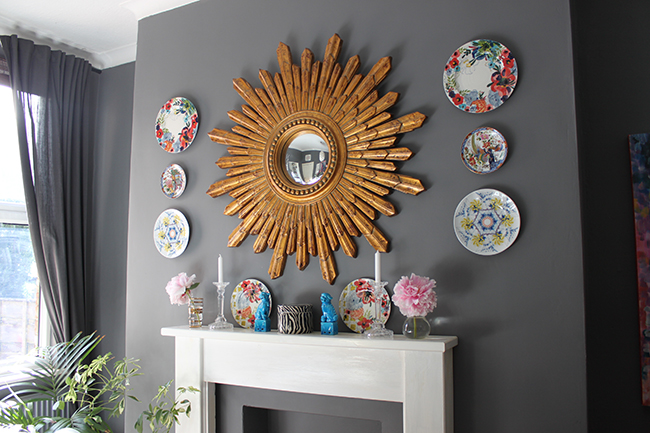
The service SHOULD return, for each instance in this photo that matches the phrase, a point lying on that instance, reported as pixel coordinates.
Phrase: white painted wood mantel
(417, 373)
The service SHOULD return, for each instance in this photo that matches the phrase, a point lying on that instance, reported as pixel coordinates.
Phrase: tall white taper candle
(220, 263)
(377, 267)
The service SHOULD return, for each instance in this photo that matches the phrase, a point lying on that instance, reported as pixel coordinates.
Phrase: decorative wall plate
(484, 150)
(486, 222)
(245, 300)
(171, 233)
(176, 125)
(173, 180)
(311, 159)
(480, 76)
(357, 305)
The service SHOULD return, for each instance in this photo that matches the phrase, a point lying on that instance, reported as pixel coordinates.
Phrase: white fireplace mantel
(417, 373)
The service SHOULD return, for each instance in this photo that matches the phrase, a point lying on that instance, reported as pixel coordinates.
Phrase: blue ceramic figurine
(262, 321)
(328, 321)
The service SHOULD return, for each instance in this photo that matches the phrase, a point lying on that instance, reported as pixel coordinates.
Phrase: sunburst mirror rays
(311, 159)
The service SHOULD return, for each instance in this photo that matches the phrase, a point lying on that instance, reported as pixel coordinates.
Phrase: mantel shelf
(416, 373)
(399, 342)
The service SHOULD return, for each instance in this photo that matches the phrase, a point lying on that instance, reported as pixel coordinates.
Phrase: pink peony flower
(415, 296)
(179, 287)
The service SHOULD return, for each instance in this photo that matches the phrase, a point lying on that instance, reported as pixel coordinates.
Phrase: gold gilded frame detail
(344, 109)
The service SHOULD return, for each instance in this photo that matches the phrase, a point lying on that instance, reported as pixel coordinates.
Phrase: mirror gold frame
(344, 109)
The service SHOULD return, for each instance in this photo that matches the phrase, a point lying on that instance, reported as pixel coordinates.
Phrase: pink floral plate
(173, 180)
(480, 76)
(245, 300)
(484, 150)
(357, 305)
(176, 125)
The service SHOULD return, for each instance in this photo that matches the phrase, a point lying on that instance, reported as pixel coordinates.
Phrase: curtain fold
(55, 114)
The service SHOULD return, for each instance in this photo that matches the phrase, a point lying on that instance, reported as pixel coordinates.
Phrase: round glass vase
(416, 327)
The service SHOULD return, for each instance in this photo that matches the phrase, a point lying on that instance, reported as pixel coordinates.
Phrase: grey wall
(112, 168)
(611, 300)
(519, 315)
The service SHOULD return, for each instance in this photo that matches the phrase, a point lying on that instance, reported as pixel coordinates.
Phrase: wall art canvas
(640, 159)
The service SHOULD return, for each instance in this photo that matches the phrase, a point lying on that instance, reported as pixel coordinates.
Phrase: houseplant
(92, 392)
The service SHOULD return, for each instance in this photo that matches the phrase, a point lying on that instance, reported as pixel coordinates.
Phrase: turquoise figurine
(262, 321)
(329, 319)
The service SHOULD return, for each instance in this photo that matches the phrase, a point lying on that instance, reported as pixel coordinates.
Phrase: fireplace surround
(417, 373)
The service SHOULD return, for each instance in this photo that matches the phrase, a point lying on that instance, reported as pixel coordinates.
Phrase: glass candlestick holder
(378, 330)
(220, 322)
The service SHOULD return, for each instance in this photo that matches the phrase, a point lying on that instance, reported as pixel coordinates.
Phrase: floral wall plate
(480, 76)
(171, 233)
(357, 305)
(176, 125)
(484, 150)
(486, 222)
(173, 180)
(245, 300)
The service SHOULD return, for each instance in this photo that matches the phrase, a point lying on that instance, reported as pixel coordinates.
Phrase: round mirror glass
(306, 159)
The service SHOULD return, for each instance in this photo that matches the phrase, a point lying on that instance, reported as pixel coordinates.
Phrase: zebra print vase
(295, 319)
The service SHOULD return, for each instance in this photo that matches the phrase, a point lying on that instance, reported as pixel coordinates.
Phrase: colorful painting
(480, 76)
(640, 158)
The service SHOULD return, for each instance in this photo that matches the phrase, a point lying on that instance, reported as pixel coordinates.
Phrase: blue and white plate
(171, 233)
(486, 222)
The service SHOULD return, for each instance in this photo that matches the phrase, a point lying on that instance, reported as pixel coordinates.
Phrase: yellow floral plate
(357, 305)
(171, 233)
(486, 222)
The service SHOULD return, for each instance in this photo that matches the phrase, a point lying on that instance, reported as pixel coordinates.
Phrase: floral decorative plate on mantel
(484, 150)
(480, 76)
(245, 300)
(486, 222)
(173, 180)
(171, 233)
(176, 125)
(357, 305)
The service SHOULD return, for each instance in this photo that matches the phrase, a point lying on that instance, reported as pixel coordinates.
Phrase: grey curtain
(54, 98)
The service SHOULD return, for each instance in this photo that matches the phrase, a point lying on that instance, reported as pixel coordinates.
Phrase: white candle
(220, 269)
(377, 267)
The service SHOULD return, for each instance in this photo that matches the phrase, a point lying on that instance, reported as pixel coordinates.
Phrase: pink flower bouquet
(415, 296)
(179, 288)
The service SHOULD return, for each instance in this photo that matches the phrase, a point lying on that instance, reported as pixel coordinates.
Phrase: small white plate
(173, 180)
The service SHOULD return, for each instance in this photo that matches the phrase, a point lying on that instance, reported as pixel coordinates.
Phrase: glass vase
(195, 310)
(416, 327)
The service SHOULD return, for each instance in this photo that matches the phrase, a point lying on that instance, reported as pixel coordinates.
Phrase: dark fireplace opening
(252, 410)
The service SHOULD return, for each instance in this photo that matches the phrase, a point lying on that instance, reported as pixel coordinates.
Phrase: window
(19, 290)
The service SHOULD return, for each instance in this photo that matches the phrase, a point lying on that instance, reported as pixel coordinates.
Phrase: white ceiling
(104, 32)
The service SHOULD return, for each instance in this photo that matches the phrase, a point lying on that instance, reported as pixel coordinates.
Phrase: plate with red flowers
(245, 300)
(484, 150)
(176, 125)
(480, 76)
(357, 305)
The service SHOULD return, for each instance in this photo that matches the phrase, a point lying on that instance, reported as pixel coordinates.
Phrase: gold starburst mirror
(310, 159)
